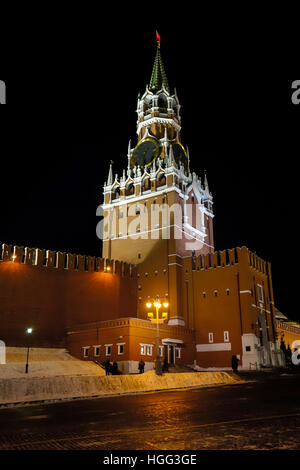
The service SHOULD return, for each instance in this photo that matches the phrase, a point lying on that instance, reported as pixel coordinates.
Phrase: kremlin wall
(50, 290)
(88, 304)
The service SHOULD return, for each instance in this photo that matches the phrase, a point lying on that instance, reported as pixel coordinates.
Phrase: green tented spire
(158, 77)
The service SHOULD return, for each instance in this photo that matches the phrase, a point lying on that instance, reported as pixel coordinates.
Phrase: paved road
(260, 415)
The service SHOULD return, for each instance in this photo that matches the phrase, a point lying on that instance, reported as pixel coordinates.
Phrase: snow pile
(37, 355)
(45, 362)
(28, 389)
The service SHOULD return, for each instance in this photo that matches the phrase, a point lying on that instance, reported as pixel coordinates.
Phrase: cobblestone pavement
(262, 415)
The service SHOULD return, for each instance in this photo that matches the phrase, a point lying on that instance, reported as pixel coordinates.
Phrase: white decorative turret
(110, 175)
(129, 153)
(171, 160)
(206, 182)
(123, 178)
(188, 157)
(165, 141)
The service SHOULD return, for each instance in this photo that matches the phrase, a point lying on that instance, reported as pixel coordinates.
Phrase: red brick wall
(131, 332)
(51, 299)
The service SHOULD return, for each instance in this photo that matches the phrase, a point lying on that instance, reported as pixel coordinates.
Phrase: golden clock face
(145, 152)
(180, 154)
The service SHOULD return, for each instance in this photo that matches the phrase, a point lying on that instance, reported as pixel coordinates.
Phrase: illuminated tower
(158, 211)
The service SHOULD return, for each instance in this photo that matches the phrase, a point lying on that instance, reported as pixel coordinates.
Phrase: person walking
(115, 370)
(141, 366)
(234, 363)
(107, 366)
(166, 365)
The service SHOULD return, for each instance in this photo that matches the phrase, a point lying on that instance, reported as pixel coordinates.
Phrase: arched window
(116, 193)
(129, 189)
(162, 101)
(146, 184)
(161, 180)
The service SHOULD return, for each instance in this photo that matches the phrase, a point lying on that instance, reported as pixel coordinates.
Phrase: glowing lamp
(149, 304)
(157, 304)
(166, 304)
(29, 331)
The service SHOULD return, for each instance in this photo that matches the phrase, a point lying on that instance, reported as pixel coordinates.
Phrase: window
(226, 336)
(96, 351)
(137, 210)
(177, 353)
(149, 350)
(260, 293)
(143, 350)
(129, 190)
(86, 351)
(139, 255)
(121, 348)
(248, 348)
(210, 337)
(108, 349)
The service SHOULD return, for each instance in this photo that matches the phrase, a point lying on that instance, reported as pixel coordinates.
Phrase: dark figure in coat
(235, 363)
(289, 353)
(166, 365)
(115, 370)
(107, 366)
(141, 366)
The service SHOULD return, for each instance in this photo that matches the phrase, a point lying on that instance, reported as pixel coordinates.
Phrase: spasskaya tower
(158, 211)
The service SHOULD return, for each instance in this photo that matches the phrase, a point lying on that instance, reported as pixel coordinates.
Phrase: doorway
(171, 358)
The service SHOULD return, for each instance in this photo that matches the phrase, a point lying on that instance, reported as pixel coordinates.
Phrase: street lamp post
(157, 320)
(28, 332)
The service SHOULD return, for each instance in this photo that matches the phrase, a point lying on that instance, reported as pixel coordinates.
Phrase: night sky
(72, 109)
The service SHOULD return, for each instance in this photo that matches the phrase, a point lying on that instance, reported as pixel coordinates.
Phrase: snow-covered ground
(45, 362)
(54, 375)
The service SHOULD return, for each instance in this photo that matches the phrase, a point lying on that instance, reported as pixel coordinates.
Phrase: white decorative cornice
(158, 120)
(143, 196)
